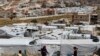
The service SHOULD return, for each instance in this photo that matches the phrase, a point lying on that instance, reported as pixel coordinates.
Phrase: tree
(46, 23)
(44, 5)
(66, 4)
(34, 21)
(12, 15)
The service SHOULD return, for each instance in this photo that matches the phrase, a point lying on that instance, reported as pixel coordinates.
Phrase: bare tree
(12, 15)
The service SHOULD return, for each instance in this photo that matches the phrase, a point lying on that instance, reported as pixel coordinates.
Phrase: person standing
(94, 54)
(75, 51)
(44, 51)
(20, 53)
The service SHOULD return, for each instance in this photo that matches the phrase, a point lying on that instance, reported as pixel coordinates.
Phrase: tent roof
(75, 41)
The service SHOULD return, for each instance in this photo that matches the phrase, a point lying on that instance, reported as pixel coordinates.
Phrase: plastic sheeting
(83, 49)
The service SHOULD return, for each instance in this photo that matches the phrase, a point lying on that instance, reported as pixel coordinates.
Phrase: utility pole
(89, 18)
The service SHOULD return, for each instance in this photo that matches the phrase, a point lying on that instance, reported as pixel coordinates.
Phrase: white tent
(69, 41)
(15, 41)
(49, 27)
(85, 47)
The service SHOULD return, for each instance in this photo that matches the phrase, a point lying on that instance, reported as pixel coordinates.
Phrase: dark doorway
(94, 19)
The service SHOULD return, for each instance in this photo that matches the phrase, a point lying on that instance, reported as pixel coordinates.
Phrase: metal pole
(60, 46)
(89, 19)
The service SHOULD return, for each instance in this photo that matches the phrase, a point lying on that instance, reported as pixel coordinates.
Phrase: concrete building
(88, 18)
(94, 19)
(77, 18)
